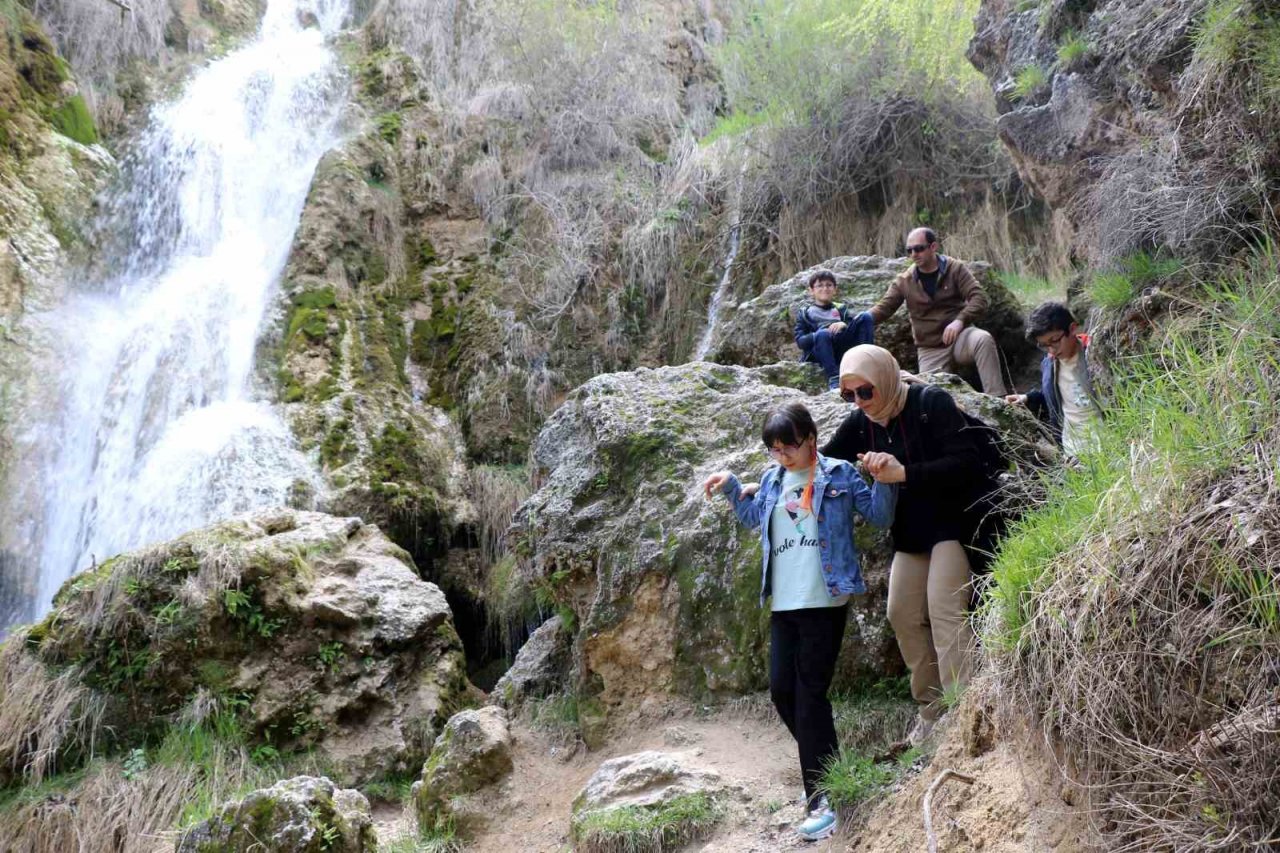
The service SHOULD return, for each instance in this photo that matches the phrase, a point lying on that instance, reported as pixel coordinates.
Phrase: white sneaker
(820, 824)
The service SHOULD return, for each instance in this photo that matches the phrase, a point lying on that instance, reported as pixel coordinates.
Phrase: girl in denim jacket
(804, 509)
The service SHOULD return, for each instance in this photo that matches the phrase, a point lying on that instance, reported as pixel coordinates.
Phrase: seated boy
(825, 329)
(1065, 398)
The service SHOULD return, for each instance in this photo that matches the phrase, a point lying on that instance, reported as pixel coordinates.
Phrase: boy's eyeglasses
(915, 250)
(862, 392)
(1047, 345)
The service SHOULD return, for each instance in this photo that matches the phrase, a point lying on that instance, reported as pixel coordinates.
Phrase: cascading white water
(726, 277)
(159, 430)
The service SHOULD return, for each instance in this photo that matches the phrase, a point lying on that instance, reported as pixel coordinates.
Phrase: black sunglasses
(917, 249)
(862, 392)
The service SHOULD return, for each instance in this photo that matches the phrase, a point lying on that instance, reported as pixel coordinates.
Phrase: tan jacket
(958, 296)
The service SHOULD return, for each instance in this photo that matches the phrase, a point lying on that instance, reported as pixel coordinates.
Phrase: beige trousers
(928, 609)
(972, 346)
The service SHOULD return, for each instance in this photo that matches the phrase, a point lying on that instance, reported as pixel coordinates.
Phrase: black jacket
(944, 473)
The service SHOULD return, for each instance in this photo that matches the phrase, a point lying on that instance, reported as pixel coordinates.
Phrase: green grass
(1116, 287)
(637, 829)
(788, 61)
(1072, 47)
(1028, 81)
(1202, 388)
(853, 778)
(1031, 290)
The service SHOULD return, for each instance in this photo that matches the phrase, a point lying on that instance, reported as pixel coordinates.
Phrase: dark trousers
(828, 349)
(803, 647)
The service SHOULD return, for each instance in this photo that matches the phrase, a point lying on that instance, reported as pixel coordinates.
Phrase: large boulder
(473, 752)
(662, 585)
(314, 631)
(541, 666)
(670, 794)
(761, 330)
(300, 815)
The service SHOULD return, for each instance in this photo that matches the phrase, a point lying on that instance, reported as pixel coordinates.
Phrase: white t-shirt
(1079, 415)
(794, 559)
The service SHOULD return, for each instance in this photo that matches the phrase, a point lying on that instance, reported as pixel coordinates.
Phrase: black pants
(803, 647)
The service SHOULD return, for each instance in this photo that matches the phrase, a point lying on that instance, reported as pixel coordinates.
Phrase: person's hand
(749, 489)
(715, 482)
(1016, 399)
(952, 331)
(883, 467)
(837, 327)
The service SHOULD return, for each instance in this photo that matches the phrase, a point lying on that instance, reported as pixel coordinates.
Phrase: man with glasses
(944, 301)
(1065, 398)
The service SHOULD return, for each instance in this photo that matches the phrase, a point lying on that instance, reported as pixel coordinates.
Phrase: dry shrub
(497, 493)
(44, 716)
(99, 39)
(1153, 658)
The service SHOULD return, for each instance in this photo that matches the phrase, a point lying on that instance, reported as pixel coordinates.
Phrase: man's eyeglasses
(1047, 345)
(917, 249)
(862, 392)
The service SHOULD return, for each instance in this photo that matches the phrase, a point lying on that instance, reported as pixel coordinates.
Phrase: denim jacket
(838, 490)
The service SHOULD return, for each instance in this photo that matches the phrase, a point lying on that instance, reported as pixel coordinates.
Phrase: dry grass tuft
(44, 716)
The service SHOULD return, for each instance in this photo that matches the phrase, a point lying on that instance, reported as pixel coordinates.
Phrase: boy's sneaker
(820, 824)
(833, 384)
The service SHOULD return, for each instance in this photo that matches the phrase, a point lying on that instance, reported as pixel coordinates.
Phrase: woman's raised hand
(715, 482)
(884, 467)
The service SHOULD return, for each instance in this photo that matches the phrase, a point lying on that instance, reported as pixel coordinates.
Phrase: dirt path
(532, 809)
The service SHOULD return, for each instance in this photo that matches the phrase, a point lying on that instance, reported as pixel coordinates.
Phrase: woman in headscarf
(912, 434)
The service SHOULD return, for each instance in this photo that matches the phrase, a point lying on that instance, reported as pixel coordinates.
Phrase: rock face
(541, 666)
(300, 815)
(761, 330)
(314, 630)
(473, 751)
(662, 584)
(1136, 120)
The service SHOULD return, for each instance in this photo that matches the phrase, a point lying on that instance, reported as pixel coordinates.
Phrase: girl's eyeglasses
(862, 392)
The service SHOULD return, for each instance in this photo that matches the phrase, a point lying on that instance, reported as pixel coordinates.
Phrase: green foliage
(1031, 290)
(1240, 39)
(788, 61)
(73, 120)
(852, 778)
(245, 607)
(668, 826)
(331, 655)
(1028, 81)
(1111, 290)
(1196, 393)
(1115, 288)
(389, 125)
(1072, 47)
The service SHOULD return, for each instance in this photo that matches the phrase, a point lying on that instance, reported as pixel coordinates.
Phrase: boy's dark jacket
(945, 482)
(1045, 402)
(806, 328)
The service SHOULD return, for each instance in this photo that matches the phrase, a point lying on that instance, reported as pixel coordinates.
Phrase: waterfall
(159, 429)
(726, 277)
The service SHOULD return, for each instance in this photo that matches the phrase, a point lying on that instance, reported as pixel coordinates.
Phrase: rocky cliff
(1148, 124)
